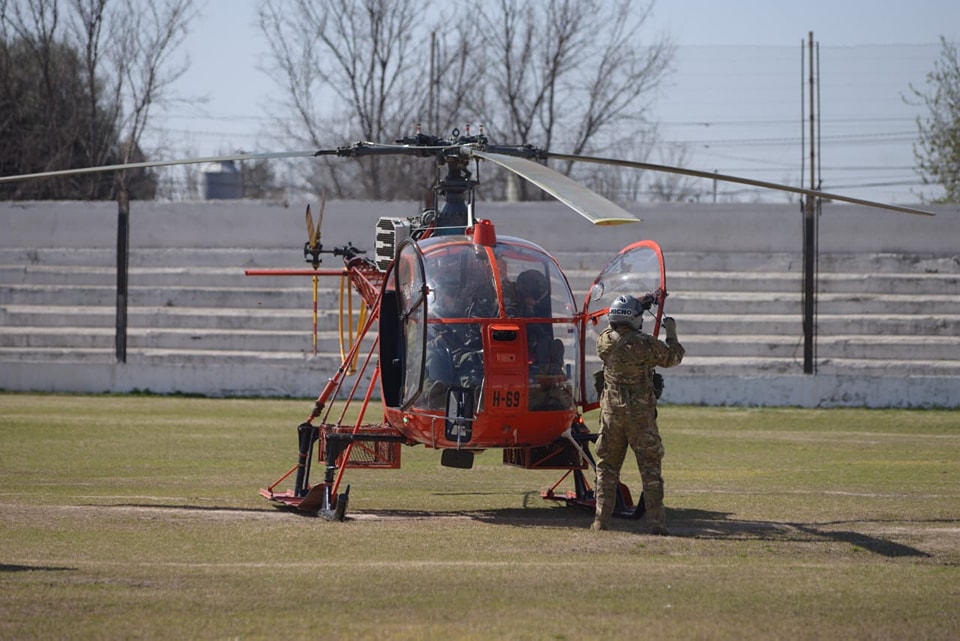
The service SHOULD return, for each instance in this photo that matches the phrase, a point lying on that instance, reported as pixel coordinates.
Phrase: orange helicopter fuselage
(479, 343)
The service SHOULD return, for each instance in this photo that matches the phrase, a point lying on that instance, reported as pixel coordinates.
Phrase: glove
(670, 327)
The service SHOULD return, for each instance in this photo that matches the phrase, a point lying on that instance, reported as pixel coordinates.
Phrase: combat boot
(656, 513)
(604, 510)
(657, 525)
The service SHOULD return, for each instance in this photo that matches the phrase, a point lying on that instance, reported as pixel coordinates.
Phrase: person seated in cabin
(528, 297)
(454, 349)
(525, 296)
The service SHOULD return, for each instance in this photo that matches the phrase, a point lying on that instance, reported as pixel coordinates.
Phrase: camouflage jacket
(629, 356)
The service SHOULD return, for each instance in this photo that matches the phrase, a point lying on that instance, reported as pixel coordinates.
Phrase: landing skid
(583, 494)
(319, 501)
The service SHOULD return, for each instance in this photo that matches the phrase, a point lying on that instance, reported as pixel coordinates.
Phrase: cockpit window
(460, 282)
(532, 284)
(470, 286)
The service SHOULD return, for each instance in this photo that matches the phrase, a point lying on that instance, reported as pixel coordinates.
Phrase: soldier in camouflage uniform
(629, 408)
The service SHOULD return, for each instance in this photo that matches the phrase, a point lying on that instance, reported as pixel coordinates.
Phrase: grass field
(139, 518)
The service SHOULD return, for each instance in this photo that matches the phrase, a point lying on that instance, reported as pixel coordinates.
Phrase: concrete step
(842, 345)
(837, 283)
(889, 283)
(759, 366)
(169, 338)
(751, 303)
(325, 361)
(293, 297)
(589, 261)
(324, 364)
(225, 318)
(81, 275)
(157, 277)
(834, 262)
(171, 296)
(878, 324)
(580, 280)
(228, 258)
(929, 348)
(71, 319)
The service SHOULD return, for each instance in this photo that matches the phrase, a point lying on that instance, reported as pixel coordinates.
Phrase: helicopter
(477, 340)
(469, 340)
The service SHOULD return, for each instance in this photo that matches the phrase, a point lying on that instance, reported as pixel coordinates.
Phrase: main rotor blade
(592, 206)
(736, 179)
(157, 163)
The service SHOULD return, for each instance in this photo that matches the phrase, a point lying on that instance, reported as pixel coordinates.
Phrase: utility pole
(123, 265)
(432, 116)
(810, 240)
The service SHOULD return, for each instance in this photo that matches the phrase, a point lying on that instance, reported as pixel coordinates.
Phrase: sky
(733, 101)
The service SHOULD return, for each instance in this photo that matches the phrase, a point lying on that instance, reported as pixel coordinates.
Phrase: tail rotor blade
(310, 228)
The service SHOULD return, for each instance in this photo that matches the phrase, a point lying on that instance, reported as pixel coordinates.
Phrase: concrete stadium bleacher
(888, 311)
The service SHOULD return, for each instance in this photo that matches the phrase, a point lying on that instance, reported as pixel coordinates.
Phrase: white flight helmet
(626, 310)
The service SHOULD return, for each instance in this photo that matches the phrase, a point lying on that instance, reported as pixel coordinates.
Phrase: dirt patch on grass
(932, 539)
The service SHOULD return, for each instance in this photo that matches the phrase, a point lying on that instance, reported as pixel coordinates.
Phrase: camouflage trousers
(627, 422)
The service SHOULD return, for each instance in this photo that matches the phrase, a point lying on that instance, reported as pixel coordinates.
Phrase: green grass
(138, 517)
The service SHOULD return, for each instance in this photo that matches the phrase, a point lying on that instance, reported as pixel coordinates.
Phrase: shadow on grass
(686, 523)
(12, 567)
(718, 525)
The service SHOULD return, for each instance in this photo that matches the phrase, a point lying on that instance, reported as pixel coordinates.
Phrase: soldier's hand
(670, 327)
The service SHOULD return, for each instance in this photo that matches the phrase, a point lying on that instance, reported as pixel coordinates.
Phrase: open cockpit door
(637, 270)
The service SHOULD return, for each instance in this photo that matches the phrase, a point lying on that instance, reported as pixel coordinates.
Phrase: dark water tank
(221, 181)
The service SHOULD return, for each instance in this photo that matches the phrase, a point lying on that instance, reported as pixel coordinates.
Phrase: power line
(874, 137)
(793, 122)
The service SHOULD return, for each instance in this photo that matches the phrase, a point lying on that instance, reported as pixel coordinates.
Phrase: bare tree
(87, 26)
(938, 151)
(570, 67)
(570, 71)
(457, 76)
(115, 58)
(371, 70)
(675, 188)
(564, 72)
(365, 58)
(620, 78)
(147, 34)
(259, 181)
(41, 84)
